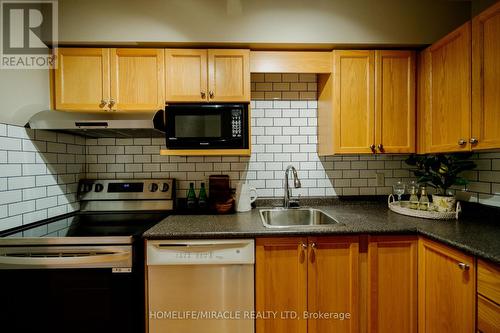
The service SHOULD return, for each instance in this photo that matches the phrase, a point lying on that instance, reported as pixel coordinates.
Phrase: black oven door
(207, 126)
(69, 299)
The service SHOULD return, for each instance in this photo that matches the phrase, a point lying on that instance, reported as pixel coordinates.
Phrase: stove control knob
(153, 187)
(86, 187)
(98, 187)
(165, 187)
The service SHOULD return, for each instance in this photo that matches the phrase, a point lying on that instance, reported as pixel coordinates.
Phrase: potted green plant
(441, 171)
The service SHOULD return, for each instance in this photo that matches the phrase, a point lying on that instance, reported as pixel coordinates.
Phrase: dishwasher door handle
(194, 247)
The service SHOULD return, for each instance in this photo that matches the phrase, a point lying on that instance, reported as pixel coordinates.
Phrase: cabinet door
(353, 106)
(186, 75)
(395, 101)
(392, 284)
(229, 75)
(488, 315)
(82, 79)
(281, 283)
(486, 79)
(447, 291)
(333, 283)
(450, 101)
(423, 101)
(137, 79)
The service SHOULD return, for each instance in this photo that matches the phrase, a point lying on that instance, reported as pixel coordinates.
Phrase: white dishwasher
(200, 286)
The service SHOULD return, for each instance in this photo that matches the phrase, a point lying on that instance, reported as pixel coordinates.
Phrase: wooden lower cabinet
(392, 284)
(281, 283)
(488, 315)
(333, 283)
(307, 276)
(488, 297)
(447, 289)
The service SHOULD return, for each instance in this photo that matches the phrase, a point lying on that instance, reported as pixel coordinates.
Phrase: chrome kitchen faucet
(296, 184)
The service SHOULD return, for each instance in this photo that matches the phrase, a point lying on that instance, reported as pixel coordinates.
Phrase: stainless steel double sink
(295, 217)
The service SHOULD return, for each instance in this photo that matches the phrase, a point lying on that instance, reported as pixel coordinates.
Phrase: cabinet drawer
(488, 316)
(488, 281)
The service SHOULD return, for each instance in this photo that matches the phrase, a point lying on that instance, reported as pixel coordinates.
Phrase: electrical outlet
(380, 177)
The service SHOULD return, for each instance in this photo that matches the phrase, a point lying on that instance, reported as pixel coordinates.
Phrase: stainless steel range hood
(105, 124)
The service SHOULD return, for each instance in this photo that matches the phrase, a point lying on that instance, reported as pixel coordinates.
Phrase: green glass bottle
(191, 197)
(202, 197)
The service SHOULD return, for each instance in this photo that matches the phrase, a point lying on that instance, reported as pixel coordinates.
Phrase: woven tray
(395, 206)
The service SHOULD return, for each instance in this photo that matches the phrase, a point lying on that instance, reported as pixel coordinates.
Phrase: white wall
(284, 21)
(23, 92)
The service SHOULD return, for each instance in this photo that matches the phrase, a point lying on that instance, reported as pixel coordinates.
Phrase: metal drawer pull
(463, 266)
(474, 141)
(462, 142)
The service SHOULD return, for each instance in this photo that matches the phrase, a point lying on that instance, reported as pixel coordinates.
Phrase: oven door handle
(107, 260)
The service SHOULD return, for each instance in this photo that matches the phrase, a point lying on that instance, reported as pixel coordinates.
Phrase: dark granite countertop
(477, 232)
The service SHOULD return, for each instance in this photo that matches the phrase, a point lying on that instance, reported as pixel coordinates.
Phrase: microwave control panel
(236, 123)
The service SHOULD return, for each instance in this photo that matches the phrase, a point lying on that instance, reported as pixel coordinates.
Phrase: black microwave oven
(207, 126)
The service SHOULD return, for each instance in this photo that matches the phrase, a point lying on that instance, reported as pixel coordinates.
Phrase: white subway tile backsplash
(21, 207)
(10, 144)
(15, 183)
(11, 222)
(33, 165)
(42, 168)
(10, 170)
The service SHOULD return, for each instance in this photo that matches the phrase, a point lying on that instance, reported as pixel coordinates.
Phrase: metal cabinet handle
(474, 141)
(112, 102)
(103, 103)
(463, 266)
(372, 147)
(381, 147)
(202, 93)
(462, 142)
(303, 246)
(313, 246)
(211, 94)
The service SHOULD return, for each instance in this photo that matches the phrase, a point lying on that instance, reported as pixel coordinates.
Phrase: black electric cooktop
(116, 227)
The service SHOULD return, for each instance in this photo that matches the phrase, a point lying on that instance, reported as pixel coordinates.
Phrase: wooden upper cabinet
(137, 79)
(333, 282)
(353, 105)
(229, 75)
(486, 79)
(207, 75)
(423, 100)
(448, 123)
(186, 75)
(82, 79)
(392, 284)
(447, 289)
(395, 101)
(281, 283)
